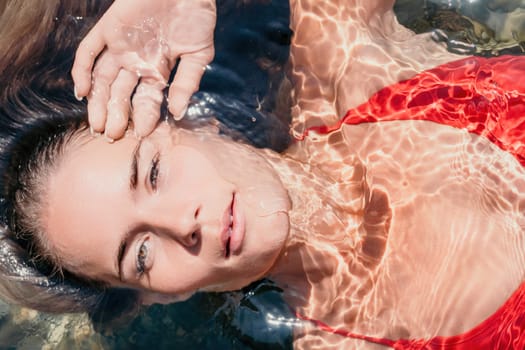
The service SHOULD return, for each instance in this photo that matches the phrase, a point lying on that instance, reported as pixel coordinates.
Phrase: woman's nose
(180, 223)
(190, 239)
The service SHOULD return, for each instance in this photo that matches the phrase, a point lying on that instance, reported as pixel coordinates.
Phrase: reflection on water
(252, 48)
(488, 27)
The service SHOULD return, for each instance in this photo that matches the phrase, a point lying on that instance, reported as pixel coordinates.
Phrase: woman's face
(174, 213)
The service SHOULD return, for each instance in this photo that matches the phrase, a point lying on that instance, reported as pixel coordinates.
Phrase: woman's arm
(325, 36)
(344, 51)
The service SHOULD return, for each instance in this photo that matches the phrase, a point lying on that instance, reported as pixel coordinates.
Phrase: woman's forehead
(94, 164)
(87, 199)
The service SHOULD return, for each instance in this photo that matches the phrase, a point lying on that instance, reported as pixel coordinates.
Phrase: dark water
(244, 84)
(222, 321)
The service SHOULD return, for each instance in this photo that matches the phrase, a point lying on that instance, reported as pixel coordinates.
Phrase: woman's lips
(232, 234)
(238, 227)
(226, 230)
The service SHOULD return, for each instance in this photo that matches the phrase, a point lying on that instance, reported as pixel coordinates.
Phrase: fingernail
(76, 94)
(180, 116)
(139, 137)
(108, 139)
(93, 132)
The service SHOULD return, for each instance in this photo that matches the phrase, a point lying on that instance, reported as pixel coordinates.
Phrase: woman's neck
(326, 228)
(338, 234)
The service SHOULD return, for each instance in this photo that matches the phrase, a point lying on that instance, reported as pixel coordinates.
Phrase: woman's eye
(142, 256)
(154, 171)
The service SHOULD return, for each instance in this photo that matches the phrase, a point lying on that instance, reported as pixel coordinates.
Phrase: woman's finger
(104, 73)
(88, 50)
(146, 106)
(186, 82)
(119, 104)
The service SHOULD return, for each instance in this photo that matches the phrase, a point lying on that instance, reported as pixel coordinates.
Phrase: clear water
(252, 49)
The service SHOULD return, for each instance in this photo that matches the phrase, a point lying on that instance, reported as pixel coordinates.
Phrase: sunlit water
(483, 232)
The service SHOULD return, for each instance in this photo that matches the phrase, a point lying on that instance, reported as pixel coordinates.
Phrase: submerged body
(435, 161)
(445, 204)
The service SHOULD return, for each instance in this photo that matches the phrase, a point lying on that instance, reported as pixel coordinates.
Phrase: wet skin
(197, 212)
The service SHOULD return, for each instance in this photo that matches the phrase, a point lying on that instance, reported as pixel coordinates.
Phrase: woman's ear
(150, 298)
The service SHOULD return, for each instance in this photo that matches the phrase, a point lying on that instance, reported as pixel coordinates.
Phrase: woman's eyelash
(154, 171)
(142, 256)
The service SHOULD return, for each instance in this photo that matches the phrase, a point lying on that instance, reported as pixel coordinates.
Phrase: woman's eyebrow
(120, 255)
(127, 238)
(134, 170)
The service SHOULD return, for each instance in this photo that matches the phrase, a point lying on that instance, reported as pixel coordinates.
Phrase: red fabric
(482, 95)
(485, 96)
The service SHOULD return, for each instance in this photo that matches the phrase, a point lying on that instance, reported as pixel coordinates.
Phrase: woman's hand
(124, 63)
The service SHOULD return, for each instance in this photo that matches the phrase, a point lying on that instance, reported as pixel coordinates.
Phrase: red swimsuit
(485, 96)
